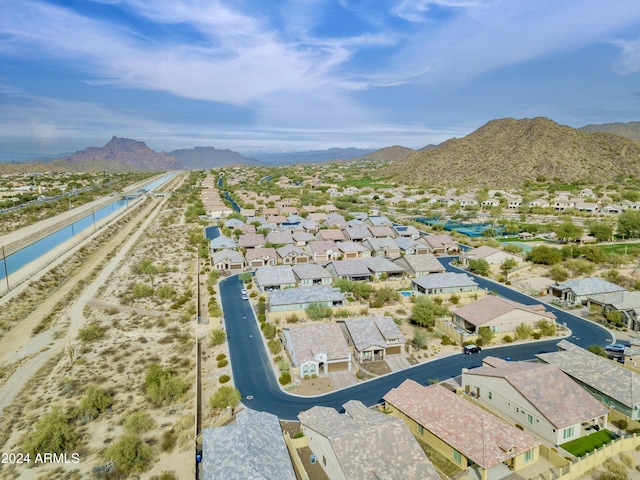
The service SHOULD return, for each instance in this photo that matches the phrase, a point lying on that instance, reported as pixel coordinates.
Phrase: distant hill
(394, 153)
(310, 156)
(630, 130)
(209, 157)
(508, 152)
(120, 154)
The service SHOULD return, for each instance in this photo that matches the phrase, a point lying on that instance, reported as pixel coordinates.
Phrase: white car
(245, 296)
(243, 291)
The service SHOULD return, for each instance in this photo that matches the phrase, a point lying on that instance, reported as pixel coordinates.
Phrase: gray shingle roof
(252, 448)
(351, 267)
(588, 286)
(222, 242)
(599, 373)
(445, 280)
(373, 332)
(232, 256)
(381, 264)
(310, 271)
(421, 263)
(275, 276)
(309, 341)
(370, 445)
(299, 295)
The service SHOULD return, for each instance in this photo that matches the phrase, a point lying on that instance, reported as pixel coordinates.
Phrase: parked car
(469, 349)
(615, 348)
(245, 296)
(243, 291)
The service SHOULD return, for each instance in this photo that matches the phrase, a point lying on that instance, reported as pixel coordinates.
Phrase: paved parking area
(342, 379)
(397, 362)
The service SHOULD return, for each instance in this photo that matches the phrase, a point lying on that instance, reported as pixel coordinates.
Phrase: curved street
(254, 377)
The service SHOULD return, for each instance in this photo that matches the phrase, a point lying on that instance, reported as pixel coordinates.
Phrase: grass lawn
(621, 248)
(581, 446)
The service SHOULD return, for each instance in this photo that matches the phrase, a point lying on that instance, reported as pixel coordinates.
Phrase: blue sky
(307, 74)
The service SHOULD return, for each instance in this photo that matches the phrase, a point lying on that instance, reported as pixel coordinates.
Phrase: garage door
(394, 350)
(334, 367)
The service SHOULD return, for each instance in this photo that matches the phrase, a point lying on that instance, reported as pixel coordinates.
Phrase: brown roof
(490, 307)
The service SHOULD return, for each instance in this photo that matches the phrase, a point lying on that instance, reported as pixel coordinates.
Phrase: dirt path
(19, 343)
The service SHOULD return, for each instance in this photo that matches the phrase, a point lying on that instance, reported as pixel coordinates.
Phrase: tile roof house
(444, 283)
(331, 234)
(500, 314)
(609, 382)
(292, 254)
(228, 261)
(579, 290)
(302, 238)
(335, 220)
(464, 433)
(373, 338)
(364, 444)
(383, 231)
(408, 246)
(407, 231)
(382, 247)
(253, 447)
(221, 242)
(299, 298)
(493, 256)
(318, 348)
(440, 244)
(627, 303)
(353, 250)
(537, 396)
(323, 251)
(352, 269)
(261, 257)
(380, 266)
(274, 278)
(279, 238)
(420, 265)
(379, 221)
(251, 240)
(357, 234)
(309, 274)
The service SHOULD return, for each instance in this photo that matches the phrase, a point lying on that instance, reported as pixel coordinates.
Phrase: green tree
(629, 223)
(506, 265)
(130, 454)
(162, 385)
(317, 311)
(54, 433)
(226, 396)
(386, 295)
(139, 422)
(559, 273)
(486, 334)
(96, 400)
(603, 232)
(547, 327)
(425, 312)
(544, 255)
(479, 266)
(524, 331)
(420, 337)
(568, 231)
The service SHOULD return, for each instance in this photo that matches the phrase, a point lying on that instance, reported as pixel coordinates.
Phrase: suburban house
(383, 232)
(274, 278)
(299, 298)
(539, 397)
(292, 254)
(420, 265)
(221, 243)
(441, 244)
(625, 302)
(323, 251)
(251, 240)
(609, 382)
(409, 246)
(446, 283)
(499, 314)
(381, 267)
(260, 257)
(355, 270)
(309, 274)
(331, 234)
(357, 234)
(279, 238)
(252, 447)
(493, 256)
(317, 349)
(228, 261)
(353, 250)
(364, 444)
(379, 221)
(373, 338)
(407, 231)
(578, 291)
(462, 432)
(382, 247)
(302, 238)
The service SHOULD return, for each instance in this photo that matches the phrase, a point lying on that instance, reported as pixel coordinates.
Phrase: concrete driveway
(342, 379)
(397, 362)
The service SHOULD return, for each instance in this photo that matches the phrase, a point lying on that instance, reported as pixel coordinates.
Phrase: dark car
(615, 347)
(469, 349)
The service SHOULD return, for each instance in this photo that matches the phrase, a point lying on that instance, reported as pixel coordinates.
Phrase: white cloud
(629, 61)
(418, 10)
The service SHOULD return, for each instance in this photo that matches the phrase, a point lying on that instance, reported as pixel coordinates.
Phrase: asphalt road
(255, 379)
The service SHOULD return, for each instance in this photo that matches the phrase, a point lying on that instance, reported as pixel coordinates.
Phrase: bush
(224, 378)
(446, 340)
(130, 454)
(547, 328)
(92, 333)
(224, 397)
(141, 290)
(478, 342)
(223, 363)
(165, 475)
(166, 292)
(95, 401)
(275, 346)
(220, 356)
(217, 336)
(524, 331)
(285, 378)
(317, 311)
(293, 318)
(138, 422)
(507, 339)
(168, 440)
(54, 433)
(622, 424)
(536, 335)
(269, 330)
(162, 385)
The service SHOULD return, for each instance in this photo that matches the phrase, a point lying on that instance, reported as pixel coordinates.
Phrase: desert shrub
(130, 454)
(269, 330)
(165, 475)
(275, 346)
(420, 337)
(507, 339)
(478, 342)
(217, 336)
(96, 400)
(139, 422)
(285, 378)
(360, 375)
(524, 331)
(224, 397)
(92, 333)
(293, 318)
(220, 356)
(223, 363)
(622, 424)
(317, 311)
(168, 440)
(54, 433)
(454, 299)
(166, 292)
(224, 378)
(626, 459)
(162, 385)
(547, 328)
(262, 317)
(536, 335)
(141, 290)
(446, 340)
